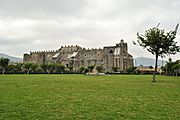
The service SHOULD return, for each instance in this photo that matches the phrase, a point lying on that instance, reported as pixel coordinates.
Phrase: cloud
(48, 24)
(40, 8)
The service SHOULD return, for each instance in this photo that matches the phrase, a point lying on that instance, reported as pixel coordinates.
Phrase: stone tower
(76, 57)
(117, 56)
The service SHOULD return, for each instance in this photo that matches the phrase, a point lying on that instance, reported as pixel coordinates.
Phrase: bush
(115, 69)
(81, 69)
(86, 70)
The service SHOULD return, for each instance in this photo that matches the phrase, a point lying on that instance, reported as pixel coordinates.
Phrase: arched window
(110, 51)
(67, 65)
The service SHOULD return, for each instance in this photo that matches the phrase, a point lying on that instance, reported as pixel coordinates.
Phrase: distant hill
(12, 59)
(137, 61)
(147, 61)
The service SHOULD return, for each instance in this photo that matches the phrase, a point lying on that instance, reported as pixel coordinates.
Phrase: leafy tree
(27, 67)
(48, 67)
(99, 68)
(86, 70)
(18, 67)
(150, 67)
(44, 67)
(91, 67)
(171, 67)
(39, 69)
(70, 68)
(131, 70)
(14, 67)
(115, 69)
(81, 69)
(168, 67)
(11, 68)
(59, 68)
(176, 68)
(159, 43)
(4, 63)
(34, 67)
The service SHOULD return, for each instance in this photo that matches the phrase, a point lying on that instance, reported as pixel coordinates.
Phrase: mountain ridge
(12, 58)
(137, 61)
(147, 61)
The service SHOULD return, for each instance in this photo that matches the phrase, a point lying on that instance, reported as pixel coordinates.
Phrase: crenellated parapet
(47, 51)
(93, 49)
(107, 56)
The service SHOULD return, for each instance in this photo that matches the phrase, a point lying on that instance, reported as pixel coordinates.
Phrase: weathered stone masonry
(76, 57)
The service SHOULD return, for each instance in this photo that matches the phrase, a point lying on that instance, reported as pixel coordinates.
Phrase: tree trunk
(154, 74)
(48, 71)
(3, 71)
(27, 72)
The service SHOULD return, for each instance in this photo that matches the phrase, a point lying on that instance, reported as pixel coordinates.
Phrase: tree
(91, 67)
(115, 68)
(27, 67)
(11, 68)
(70, 69)
(4, 63)
(86, 70)
(168, 67)
(17, 67)
(171, 67)
(99, 68)
(50, 68)
(176, 68)
(81, 69)
(131, 70)
(59, 68)
(150, 67)
(159, 43)
(44, 67)
(47, 67)
(34, 67)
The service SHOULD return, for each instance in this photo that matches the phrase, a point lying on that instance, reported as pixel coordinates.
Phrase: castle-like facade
(76, 57)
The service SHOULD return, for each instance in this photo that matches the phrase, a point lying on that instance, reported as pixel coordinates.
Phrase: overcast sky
(33, 25)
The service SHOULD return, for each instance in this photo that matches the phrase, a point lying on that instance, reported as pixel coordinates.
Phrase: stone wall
(76, 57)
(40, 57)
(91, 57)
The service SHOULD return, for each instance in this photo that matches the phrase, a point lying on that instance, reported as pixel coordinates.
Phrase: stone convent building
(76, 56)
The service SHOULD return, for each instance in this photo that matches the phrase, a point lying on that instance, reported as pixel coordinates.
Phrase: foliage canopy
(159, 43)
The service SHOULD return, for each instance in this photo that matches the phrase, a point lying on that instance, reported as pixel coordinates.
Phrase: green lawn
(30, 97)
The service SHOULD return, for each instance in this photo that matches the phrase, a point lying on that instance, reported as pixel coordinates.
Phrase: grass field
(30, 97)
